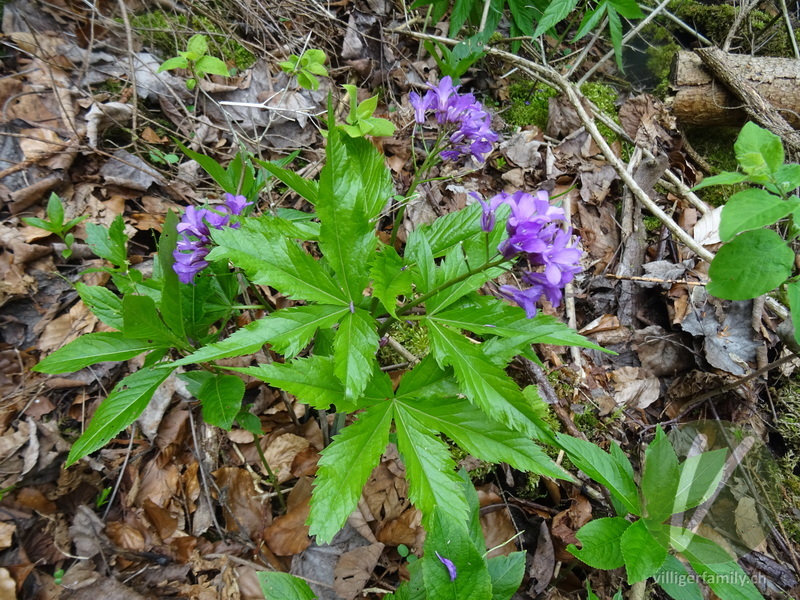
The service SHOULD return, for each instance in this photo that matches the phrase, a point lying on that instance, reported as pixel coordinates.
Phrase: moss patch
(716, 146)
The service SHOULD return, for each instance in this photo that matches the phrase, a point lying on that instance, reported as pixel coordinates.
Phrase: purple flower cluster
(470, 122)
(195, 235)
(535, 230)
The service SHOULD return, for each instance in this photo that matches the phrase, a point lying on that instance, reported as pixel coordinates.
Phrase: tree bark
(701, 99)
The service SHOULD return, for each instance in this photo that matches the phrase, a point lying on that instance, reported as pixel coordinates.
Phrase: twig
(586, 48)
(400, 349)
(628, 36)
(682, 24)
(121, 472)
(789, 28)
(273, 480)
(737, 21)
(131, 54)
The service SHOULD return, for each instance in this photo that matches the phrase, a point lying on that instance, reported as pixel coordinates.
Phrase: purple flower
(536, 231)
(195, 235)
(526, 299)
(488, 217)
(468, 123)
(451, 567)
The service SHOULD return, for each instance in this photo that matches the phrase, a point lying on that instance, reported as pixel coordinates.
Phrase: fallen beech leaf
(288, 534)
(6, 534)
(281, 452)
(354, 570)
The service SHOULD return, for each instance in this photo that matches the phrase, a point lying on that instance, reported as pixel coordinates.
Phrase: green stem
(270, 474)
(416, 302)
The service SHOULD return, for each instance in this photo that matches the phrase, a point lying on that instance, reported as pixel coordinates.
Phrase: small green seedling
(457, 61)
(102, 498)
(55, 223)
(197, 60)
(162, 158)
(306, 68)
(58, 576)
(360, 121)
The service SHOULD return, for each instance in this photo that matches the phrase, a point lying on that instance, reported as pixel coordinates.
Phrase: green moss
(409, 335)
(652, 224)
(787, 404)
(759, 34)
(168, 33)
(530, 104)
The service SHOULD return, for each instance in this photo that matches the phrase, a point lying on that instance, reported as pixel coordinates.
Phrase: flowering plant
(347, 303)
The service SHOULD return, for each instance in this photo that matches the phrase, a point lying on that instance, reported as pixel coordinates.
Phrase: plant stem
(273, 481)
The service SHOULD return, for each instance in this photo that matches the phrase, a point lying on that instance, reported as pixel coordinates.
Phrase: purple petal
(451, 568)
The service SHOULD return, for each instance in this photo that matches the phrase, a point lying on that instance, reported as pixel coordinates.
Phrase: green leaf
(788, 177)
(344, 468)
(485, 384)
(676, 580)
(110, 243)
(699, 477)
(197, 45)
(752, 209)
(759, 151)
(260, 249)
(459, 15)
(456, 265)
(282, 586)
(307, 81)
(482, 437)
(727, 580)
(194, 380)
(480, 319)
(474, 508)
(140, 320)
(643, 554)
(249, 422)
(90, 349)
(660, 478)
(615, 31)
(454, 228)
(750, 265)
(556, 11)
(695, 547)
(221, 398)
(450, 539)
(590, 21)
(122, 407)
(40, 223)
(103, 303)
(289, 330)
(55, 211)
(306, 188)
(427, 380)
(171, 304)
(418, 250)
(176, 62)
(793, 295)
(390, 278)
(430, 469)
(311, 379)
(506, 573)
(191, 83)
(353, 182)
(211, 65)
(523, 14)
(212, 167)
(726, 178)
(627, 8)
(604, 469)
(354, 349)
(602, 543)
(380, 127)
(366, 108)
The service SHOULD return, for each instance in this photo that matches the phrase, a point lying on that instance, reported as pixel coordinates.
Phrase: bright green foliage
(221, 398)
(360, 121)
(306, 68)
(456, 61)
(54, 223)
(756, 260)
(111, 243)
(282, 586)
(643, 546)
(197, 60)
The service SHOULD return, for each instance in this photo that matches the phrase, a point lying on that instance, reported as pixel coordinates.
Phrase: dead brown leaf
(354, 569)
(288, 534)
(243, 512)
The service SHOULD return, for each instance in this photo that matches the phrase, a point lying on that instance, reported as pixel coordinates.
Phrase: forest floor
(174, 508)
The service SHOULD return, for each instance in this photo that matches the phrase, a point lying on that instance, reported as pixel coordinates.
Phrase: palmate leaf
(344, 468)
(311, 379)
(427, 380)
(390, 278)
(485, 384)
(260, 248)
(556, 11)
(93, 348)
(354, 348)
(455, 265)
(483, 438)
(122, 407)
(430, 469)
(352, 184)
(289, 330)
